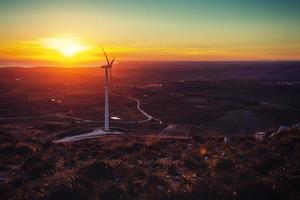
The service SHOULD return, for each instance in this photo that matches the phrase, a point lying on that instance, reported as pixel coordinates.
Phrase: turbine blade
(105, 56)
(112, 62)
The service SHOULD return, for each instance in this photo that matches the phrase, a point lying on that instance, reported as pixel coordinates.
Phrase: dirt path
(94, 134)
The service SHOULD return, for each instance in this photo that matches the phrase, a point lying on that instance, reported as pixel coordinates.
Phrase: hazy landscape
(179, 153)
(226, 98)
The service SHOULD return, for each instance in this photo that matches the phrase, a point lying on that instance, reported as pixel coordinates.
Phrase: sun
(67, 46)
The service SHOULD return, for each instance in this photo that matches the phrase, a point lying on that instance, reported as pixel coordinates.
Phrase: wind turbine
(107, 67)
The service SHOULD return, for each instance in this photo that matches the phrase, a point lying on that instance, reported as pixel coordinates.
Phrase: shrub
(137, 146)
(155, 180)
(32, 160)
(4, 190)
(23, 150)
(198, 139)
(99, 170)
(285, 148)
(224, 165)
(261, 151)
(172, 170)
(131, 188)
(121, 170)
(255, 189)
(268, 163)
(18, 181)
(205, 189)
(40, 169)
(113, 192)
(195, 163)
(65, 192)
(47, 144)
(7, 149)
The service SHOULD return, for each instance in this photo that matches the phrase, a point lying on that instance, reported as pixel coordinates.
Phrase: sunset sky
(69, 32)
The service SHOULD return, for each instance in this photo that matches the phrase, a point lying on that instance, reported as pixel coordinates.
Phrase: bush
(4, 190)
(261, 151)
(224, 165)
(195, 163)
(47, 145)
(198, 139)
(65, 192)
(131, 188)
(40, 169)
(268, 163)
(205, 189)
(154, 179)
(113, 192)
(99, 170)
(23, 150)
(255, 189)
(18, 181)
(7, 149)
(31, 161)
(172, 170)
(285, 148)
(121, 170)
(35, 166)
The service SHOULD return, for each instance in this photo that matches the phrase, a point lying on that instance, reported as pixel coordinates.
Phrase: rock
(260, 136)
(283, 129)
(296, 126)
(226, 140)
(160, 188)
(2, 179)
(273, 134)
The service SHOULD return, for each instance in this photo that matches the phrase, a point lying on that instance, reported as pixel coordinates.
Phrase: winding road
(138, 107)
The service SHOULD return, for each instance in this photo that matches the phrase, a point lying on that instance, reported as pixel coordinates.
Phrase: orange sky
(71, 32)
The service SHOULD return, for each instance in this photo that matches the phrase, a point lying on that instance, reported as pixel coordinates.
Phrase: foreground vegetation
(150, 167)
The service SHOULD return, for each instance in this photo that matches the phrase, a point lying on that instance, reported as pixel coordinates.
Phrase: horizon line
(146, 61)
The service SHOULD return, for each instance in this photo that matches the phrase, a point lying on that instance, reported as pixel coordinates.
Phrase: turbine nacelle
(109, 63)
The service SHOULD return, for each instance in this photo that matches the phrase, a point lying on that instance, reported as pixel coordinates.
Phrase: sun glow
(66, 46)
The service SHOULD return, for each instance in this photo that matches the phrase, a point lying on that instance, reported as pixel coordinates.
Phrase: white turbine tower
(107, 67)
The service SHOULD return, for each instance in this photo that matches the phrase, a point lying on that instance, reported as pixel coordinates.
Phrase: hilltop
(133, 166)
